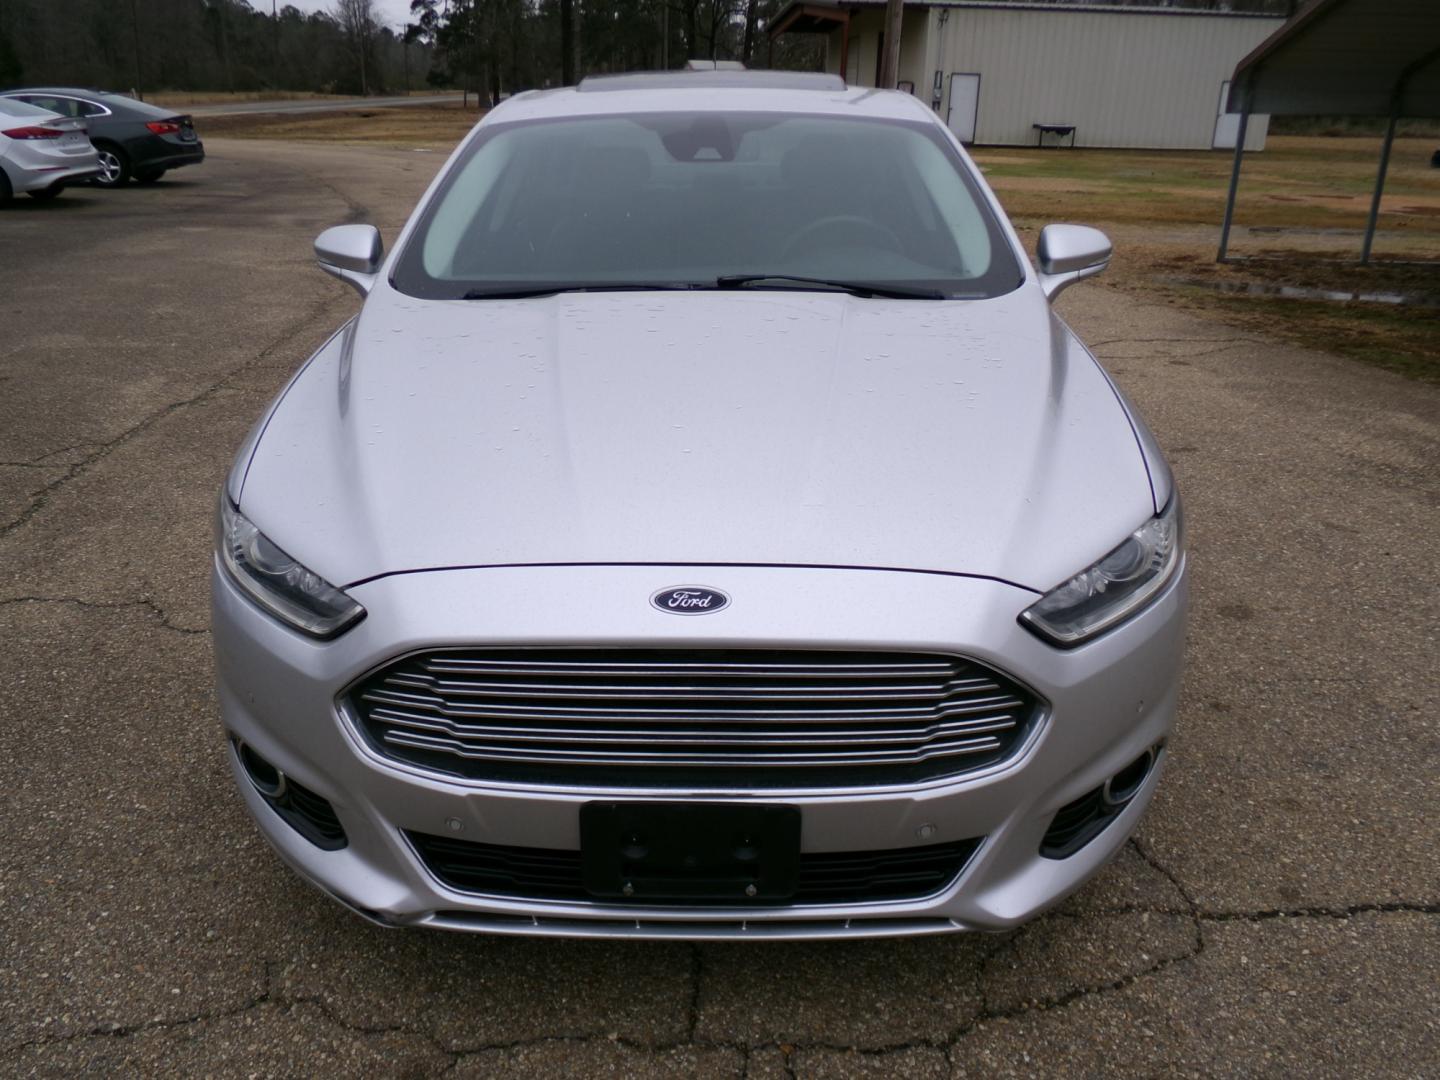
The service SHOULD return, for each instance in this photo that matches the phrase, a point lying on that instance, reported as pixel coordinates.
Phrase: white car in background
(42, 152)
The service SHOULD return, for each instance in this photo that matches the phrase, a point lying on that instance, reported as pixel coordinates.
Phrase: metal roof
(1346, 58)
(840, 7)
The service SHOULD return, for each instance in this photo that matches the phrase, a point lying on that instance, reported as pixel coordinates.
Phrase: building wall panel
(1124, 79)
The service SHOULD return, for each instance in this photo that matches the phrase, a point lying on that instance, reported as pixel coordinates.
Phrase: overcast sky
(393, 13)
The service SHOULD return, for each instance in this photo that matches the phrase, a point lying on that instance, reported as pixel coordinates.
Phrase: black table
(1041, 130)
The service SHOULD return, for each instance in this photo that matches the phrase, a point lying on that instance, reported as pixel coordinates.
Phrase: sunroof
(688, 80)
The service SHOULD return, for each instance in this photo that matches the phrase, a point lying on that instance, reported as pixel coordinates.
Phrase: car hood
(758, 427)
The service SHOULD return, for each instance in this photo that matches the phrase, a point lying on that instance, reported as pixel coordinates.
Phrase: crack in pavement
(1219, 345)
(42, 462)
(105, 449)
(269, 996)
(787, 1049)
(108, 605)
(1201, 915)
(1178, 341)
(997, 945)
(1063, 1000)
(1172, 356)
(117, 1030)
(1153, 861)
(697, 972)
(1387, 908)
(1070, 996)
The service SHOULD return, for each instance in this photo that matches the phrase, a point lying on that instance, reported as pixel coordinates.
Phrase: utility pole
(567, 43)
(224, 49)
(274, 46)
(890, 58)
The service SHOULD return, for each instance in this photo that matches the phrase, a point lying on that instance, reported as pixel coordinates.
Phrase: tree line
(501, 46)
(489, 46)
(493, 47)
(218, 45)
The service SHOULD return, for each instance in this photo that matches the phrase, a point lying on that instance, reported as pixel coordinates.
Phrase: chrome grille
(740, 718)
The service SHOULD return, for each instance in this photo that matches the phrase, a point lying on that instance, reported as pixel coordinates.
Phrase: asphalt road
(303, 105)
(1278, 914)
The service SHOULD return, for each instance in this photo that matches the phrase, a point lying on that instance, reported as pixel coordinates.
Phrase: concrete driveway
(1279, 913)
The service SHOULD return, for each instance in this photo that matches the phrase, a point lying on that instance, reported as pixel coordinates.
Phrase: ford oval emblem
(689, 600)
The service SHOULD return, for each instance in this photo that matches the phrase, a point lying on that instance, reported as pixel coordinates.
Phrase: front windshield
(690, 199)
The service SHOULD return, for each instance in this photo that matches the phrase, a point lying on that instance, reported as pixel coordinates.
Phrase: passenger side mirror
(351, 253)
(1068, 253)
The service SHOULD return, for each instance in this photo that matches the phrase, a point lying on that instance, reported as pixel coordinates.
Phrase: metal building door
(964, 105)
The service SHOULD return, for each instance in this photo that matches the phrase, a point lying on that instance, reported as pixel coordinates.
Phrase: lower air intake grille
(825, 878)
(312, 816)
(727, 718)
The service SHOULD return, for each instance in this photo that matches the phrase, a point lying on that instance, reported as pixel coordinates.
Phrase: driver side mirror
(1068, 253)
(351, 253)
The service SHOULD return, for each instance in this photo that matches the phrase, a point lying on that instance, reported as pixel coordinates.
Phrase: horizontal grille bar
(639, 708)
(550, 668)
(681, 757)
(673, 716)
(715, 735)
(688, 690)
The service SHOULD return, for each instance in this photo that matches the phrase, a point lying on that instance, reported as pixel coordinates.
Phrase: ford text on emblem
(690, 600)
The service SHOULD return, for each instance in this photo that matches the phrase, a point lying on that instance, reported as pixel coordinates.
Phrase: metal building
(1018, 73)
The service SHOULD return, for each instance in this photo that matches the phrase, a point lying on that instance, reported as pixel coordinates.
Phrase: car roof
(109, 98)
(712, 91)
(63, 91)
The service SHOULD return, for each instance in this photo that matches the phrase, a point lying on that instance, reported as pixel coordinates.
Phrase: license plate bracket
(660, 852)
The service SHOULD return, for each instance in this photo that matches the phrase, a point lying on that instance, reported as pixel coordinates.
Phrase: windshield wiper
(728, 281)
(521, 292)
(854, 288)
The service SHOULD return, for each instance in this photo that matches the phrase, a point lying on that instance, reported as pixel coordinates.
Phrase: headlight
(298, 597)
(1114, 588)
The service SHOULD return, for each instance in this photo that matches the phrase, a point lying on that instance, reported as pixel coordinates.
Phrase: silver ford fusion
(706, 529)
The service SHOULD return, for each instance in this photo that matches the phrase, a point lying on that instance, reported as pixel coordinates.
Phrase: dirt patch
(1403, 338)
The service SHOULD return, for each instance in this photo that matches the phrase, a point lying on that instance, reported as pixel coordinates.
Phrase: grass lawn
(1312, 181)
(1299, 219)
(176, 98)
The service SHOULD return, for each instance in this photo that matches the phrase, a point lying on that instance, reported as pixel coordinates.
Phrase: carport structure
(1342, 58)
(818, 18)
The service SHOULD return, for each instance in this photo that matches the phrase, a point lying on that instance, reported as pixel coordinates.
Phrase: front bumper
(1109, 701)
